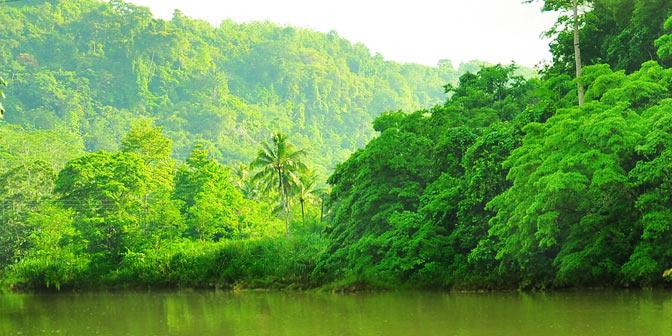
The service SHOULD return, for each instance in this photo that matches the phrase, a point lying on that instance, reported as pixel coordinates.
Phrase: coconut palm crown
(279, 166)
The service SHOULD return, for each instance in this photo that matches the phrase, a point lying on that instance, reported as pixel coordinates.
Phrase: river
(592, 313)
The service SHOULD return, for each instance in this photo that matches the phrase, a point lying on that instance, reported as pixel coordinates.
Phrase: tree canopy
(140, 152)
(92, 66)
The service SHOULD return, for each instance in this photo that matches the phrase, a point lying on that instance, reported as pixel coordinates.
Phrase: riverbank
(272, 263)
(232, 265)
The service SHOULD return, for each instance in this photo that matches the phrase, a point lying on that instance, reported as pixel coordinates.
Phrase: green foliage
(620, 33)
(20, 145)
(664, 43)
(107, 193)
(56, 255)
(93, 66)
(268, 262)
(407, 203)
(568, 218)
(307, 192)
(214, 208)
(651, 179)
(22, 190)
(507, 184)
(28, 162)
(253, 263)
(148, 141)
(114, 217)
(519, 188)
(279, 167)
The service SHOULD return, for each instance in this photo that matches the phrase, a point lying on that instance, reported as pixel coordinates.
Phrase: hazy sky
(420, 31)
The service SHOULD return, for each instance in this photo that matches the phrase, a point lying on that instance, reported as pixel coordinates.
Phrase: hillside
(91, 67)
(509, 182)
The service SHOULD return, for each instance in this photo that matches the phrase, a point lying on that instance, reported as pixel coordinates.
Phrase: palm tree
(279, 165)
(244, 181)
(306, 191)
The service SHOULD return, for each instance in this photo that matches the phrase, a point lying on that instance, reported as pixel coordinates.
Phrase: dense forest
(91, 67)
(138, 152)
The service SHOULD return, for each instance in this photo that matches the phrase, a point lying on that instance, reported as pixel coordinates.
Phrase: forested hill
(91, 67)
(558, 181)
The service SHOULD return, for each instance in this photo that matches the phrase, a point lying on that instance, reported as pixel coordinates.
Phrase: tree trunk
(321, 209)
(303, 212)
(284, 204)
(577, 52)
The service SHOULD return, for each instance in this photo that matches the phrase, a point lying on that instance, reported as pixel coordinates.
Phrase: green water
(272, 313)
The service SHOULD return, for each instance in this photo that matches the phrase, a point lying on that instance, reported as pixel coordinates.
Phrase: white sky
(418, 31)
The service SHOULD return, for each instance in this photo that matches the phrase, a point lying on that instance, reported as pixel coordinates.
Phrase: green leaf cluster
(509, 184)
(92, 66)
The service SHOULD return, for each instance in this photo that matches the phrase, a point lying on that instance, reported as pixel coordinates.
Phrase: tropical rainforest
(139, 152)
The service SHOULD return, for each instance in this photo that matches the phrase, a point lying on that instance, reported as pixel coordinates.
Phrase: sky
(410, 31)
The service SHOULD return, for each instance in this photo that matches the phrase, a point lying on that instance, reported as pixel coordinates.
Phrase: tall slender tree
(323, 195)
(279, 165)
(307, 190)
(570, 19)
(2, 96)
(577, 51)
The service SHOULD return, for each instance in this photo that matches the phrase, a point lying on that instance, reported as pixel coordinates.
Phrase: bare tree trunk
(284, 204)
(303, 212)
(286, 216)
(577, 52)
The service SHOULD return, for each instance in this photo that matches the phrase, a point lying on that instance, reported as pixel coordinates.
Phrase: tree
(162, 218)
(2, 96)
(19, 145)
(150, 144)
(244, 181)
(228, 84)
(589, 201)
(107, 193)
(620, 33)
(664, 42)
(577, 50)
(56, 256)
(279, 166)
(22, 190)
(211, 202)
(571, 6)
(652, 176)
(323, 194)
(409, 207)
(307, 191)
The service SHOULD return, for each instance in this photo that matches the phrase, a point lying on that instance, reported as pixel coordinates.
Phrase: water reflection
(294, 313)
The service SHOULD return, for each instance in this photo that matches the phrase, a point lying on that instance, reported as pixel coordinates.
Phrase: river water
(593, 313)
